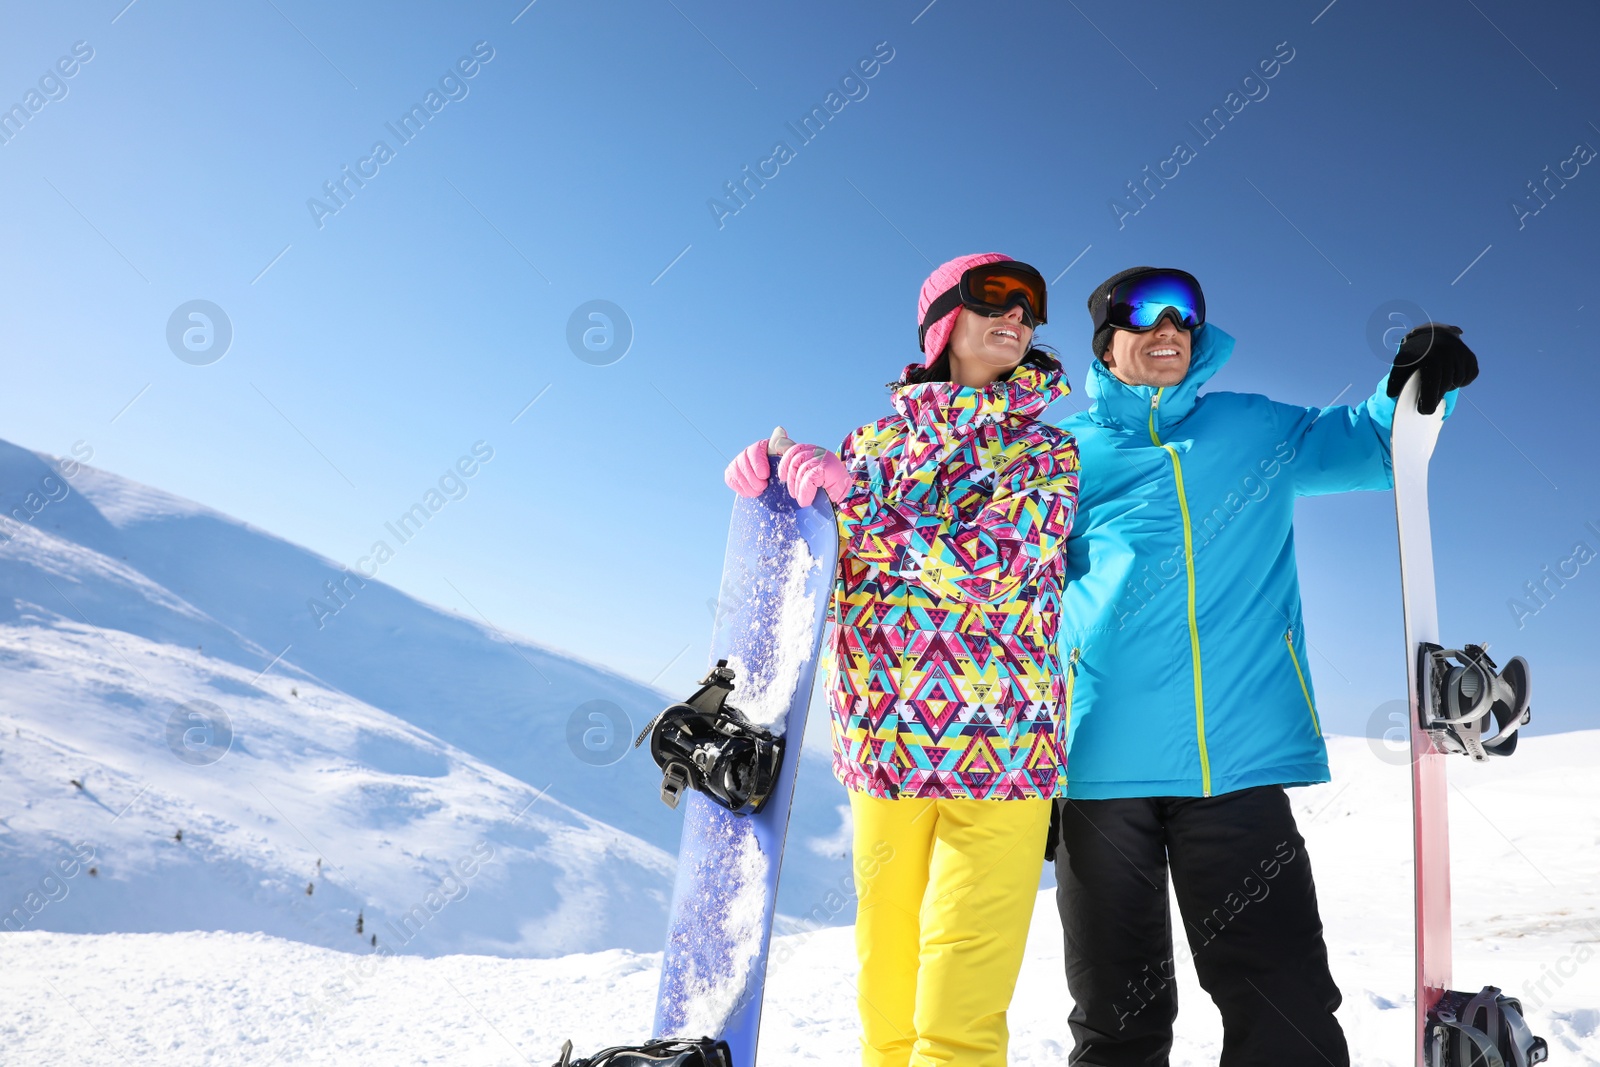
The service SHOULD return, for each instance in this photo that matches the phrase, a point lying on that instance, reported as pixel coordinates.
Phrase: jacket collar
(937, 406)
(1127, 407)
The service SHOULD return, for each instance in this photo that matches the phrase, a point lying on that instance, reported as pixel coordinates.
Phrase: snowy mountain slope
(505, 700)
(435, 851)
(168, 569)
(1527, 879)
(223, 609)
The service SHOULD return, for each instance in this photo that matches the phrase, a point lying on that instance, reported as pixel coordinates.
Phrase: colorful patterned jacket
(944, 679)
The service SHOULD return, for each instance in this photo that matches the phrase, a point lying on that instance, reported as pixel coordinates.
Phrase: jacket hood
(1115, 404)
(1025, 394)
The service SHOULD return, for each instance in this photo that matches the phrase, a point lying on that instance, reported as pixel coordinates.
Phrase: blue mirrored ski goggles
(1139, 302)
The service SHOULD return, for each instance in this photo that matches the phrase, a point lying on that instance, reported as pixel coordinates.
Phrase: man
(1190, 697)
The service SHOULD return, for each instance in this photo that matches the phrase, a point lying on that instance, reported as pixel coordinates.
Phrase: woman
(947, 697)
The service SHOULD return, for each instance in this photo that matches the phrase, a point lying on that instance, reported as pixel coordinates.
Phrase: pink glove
(807, 468)
(747, 474)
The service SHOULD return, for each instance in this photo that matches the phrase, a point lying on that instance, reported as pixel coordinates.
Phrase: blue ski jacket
(1181, 629)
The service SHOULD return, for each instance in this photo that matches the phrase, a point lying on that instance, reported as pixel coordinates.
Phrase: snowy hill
(323, 809)
(387, 738)
(1527, 891)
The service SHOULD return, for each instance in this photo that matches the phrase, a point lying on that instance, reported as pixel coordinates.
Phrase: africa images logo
(452, 87)
(852, 87)
(1252, 89)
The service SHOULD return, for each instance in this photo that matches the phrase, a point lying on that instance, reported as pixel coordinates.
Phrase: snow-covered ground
(1527, 877)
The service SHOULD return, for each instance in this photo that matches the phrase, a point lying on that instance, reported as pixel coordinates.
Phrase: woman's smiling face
(983, 348)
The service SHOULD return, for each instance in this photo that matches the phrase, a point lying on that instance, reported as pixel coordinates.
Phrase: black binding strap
(672, 1052)
(1485, 1029)
(708, 745)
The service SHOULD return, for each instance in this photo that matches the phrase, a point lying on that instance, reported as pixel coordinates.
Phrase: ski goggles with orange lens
(991, 289)
(1139, 302)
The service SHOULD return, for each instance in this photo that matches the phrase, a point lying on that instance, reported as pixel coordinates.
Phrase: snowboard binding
(708, 745)
(1464, 695)
(1482, 1030)
(670, 1053)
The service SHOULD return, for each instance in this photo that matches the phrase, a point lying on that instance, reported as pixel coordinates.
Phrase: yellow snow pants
(946, 890)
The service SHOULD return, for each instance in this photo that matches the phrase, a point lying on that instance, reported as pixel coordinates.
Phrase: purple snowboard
(777, 578)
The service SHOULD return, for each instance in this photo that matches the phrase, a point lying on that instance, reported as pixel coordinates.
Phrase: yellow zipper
(1194, 627)
(1288, 639)
(1072, 678)
(1066, 719)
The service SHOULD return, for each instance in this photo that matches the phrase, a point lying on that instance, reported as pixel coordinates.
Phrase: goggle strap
(942, 305)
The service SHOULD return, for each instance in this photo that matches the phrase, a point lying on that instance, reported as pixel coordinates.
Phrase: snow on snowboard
(1454, 695)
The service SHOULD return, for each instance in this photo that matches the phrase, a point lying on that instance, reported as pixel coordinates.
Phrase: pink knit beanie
(944, 278)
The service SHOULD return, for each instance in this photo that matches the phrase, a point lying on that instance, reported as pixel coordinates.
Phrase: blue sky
(373, 346)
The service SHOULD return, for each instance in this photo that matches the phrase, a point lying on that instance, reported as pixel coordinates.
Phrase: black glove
(1437, 353)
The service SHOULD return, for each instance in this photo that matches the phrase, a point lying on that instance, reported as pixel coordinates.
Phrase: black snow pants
(1249, 911)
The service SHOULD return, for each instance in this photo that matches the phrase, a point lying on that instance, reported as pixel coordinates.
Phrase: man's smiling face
(1159, 357)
